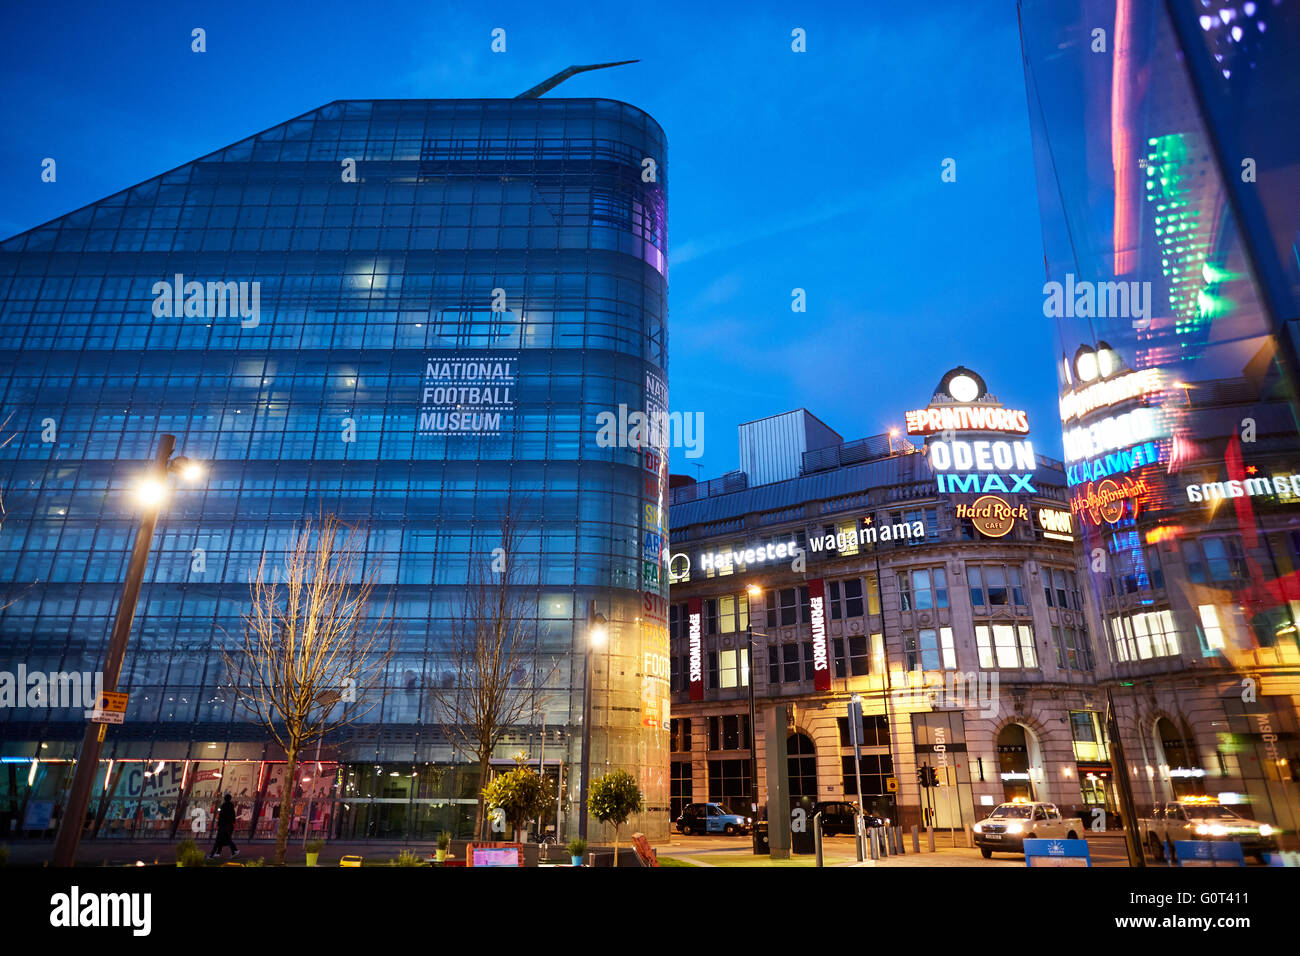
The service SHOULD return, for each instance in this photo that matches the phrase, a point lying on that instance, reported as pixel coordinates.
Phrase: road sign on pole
(111, 708)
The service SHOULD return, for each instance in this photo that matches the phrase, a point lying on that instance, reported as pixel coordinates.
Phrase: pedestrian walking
(225, 830)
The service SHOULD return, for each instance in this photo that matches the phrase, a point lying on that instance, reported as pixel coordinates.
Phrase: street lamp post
(754, 591)
(595, 637)
(151, 492)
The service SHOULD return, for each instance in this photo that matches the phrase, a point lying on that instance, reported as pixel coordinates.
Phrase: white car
(1010, 824)
(1204, 818)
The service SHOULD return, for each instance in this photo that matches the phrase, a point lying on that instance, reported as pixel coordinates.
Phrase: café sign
(992, 516)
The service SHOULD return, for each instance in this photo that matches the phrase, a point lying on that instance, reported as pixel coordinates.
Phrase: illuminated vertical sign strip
(817, 615)
(695, 662)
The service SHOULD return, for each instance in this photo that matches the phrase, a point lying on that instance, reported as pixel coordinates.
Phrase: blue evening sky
(817, 170)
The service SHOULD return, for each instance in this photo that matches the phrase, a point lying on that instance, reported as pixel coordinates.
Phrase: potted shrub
(615, 797)
(313, 851)
(520, 794)
(444, 843)
(188, 854)
(577, 849)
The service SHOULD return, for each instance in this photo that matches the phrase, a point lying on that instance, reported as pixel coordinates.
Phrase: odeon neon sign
(986, 464)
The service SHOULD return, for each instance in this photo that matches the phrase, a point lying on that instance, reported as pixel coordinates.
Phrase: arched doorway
(1177, 753)
(801, 757)
(1017, 761)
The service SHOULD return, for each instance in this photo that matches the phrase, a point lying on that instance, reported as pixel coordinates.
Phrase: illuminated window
(1142, 636)
(930, 650)
(1085, 727)
(1006, 645)
(733, 668)
(724, 566)
(846, 536)
(873, 594)
(1210, 623)
(725, 615)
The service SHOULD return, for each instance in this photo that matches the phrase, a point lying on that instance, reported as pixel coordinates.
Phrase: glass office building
(1169, 184)
(405, 313)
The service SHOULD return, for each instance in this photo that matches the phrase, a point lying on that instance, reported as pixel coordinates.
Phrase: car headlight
(1265, 830)
(748, 820)
(1015, 828)
(1202, 829)
(978, 828)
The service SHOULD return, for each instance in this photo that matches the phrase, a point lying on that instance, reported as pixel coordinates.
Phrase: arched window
(802, 762)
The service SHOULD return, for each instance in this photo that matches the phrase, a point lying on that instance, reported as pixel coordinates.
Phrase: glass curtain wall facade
(1169, 193)
(405, 313)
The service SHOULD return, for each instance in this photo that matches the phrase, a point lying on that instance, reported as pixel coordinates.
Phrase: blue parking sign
(1208, 853)
(1057, 853)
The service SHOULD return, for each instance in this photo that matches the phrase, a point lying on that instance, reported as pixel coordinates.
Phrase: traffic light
(933, 776)
(923, 775)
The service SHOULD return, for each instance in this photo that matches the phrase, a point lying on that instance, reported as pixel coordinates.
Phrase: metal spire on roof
(558, 78)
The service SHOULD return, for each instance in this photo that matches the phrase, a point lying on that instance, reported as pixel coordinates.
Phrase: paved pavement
(707, 851)
(1105, 850)
(123, 853)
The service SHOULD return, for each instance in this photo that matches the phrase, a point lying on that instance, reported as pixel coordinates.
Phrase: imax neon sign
(987, 466)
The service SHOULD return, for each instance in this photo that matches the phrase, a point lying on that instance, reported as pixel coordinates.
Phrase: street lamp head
(188, 468)
(893, 433)
(598, 632)
(151, 492)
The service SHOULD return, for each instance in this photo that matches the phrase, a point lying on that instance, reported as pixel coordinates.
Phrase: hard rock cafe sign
(1104, 500)
(992, 516)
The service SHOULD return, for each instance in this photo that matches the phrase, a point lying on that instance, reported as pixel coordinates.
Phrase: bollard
(817, 836)
(930, 831)
(916, 840)
(857, 837)
(875, 846)
(885, 841)
(898, 840)
(966, 827)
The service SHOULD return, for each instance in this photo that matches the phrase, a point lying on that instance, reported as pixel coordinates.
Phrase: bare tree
(493, 680)
(309, 642)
